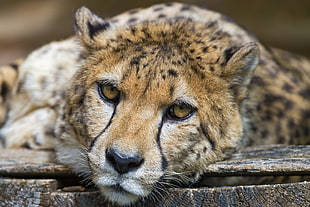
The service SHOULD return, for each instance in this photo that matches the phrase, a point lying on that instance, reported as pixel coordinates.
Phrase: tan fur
(239, 92)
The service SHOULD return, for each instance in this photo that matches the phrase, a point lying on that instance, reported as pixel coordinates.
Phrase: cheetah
(152, 96)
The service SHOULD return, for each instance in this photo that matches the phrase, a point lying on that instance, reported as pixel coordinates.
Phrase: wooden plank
(265, 166)
(31, 163)
(266, 160)
(294, 194)
(80, 199)
(26, 192)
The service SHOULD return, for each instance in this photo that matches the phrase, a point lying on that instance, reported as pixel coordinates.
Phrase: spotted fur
(238, 91)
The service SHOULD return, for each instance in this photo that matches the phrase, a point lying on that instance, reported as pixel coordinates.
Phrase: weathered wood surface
(31, 163)
(284, 195)
(24, 192)
(272, 160)
(264, 160)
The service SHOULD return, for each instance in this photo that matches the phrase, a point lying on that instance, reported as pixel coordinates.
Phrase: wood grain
(55, 184)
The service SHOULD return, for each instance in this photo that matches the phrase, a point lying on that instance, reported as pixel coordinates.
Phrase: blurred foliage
(27, 24)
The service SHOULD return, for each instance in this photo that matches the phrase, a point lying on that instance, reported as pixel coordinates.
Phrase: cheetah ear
(241, 62)
(87, 27)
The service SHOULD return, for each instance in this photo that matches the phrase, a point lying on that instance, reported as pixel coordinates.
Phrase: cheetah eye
(180, 111)
(108, 92)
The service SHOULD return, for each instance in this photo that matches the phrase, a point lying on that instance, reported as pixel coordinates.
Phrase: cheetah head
(153, 104)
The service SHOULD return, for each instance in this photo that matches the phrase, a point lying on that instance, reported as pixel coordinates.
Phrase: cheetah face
(145, 109)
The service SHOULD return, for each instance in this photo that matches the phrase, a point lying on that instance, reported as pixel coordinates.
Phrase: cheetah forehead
(90, 27)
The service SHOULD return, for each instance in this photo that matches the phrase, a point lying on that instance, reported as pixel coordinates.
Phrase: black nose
(123, 163)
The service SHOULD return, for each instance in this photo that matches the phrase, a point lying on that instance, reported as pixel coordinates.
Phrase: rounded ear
(241, 62)
(87, 26)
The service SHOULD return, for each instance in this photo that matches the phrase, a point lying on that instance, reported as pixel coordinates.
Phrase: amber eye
(180, 112)
(109, 92)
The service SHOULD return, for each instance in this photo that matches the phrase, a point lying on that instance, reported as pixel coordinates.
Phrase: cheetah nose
(123, 163)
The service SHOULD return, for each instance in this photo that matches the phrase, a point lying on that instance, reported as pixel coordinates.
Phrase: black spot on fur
(267, 116)
(306, 131)
(291, 124)
(205, 49)
(81, 99)
(186, 7)
(133, 30)
(306, 114)
(280, 114)
(264, 134)
(297, 134)
(147, 86)
(199, 73)
(135, 61)
(269, 98)
(171, 90)
(158, 9)
(4, 89)
(132, 20)
(204, 149)
(95, 29)
(287, 87)
(281, 140)
(288, 104)
(258, 81)
(161, 16)
(168, 4)
(211, 24)
(305, 93)
(173, 73)
(70, 111)
(213, 38)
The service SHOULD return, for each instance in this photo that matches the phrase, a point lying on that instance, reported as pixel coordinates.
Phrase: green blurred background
(28, 24)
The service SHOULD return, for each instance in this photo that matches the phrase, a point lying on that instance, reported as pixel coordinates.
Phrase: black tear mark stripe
(106, 127)
(164, 162)
(205, 133)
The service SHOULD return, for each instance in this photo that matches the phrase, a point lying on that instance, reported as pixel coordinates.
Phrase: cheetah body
(164, 61)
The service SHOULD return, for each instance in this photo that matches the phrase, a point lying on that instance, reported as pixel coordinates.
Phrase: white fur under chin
(121, 198)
